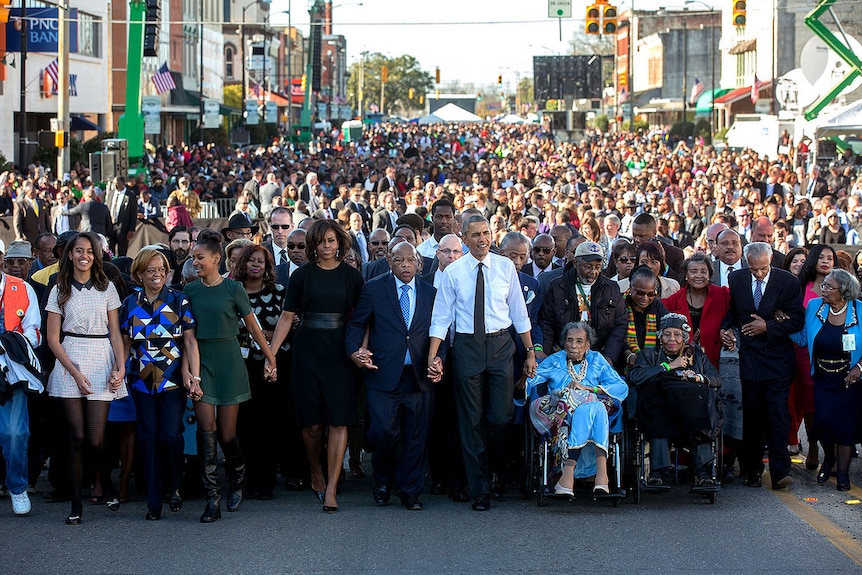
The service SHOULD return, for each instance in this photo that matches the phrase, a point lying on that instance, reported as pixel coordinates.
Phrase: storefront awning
(82, 124)
(704, 102)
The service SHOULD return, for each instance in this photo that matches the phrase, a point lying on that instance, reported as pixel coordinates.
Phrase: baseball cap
(589, 251)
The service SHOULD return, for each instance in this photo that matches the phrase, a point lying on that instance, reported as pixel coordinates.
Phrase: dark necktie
(282, 256)
(479, 307)
(758, 293)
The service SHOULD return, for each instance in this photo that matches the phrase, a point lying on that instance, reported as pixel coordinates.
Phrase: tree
(404, 74)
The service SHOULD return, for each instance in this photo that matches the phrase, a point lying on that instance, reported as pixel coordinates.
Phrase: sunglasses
(280, 226)
(640, 293)
(378, 243)
(296, 246)
(544, 250)
(627, 260)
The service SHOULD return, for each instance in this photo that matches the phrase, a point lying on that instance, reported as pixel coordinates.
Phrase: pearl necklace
(840, 311)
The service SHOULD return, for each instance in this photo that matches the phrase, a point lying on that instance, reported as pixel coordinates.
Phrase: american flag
(696, 90)
(755, 89)
(624, 94)
(163, 79)
(54, 71)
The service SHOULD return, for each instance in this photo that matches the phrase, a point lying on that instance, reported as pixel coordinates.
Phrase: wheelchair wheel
(540, 486)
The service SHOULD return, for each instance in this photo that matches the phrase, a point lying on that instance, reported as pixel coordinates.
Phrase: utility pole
(64, 160)
(22, 118)
(201, 73)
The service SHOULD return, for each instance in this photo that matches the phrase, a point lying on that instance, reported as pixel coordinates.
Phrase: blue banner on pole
(42, 30)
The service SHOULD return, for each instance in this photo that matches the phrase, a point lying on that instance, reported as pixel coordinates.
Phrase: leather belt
(84, 335)
(323, 320)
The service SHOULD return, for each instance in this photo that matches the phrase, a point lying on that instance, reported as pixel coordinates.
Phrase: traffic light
(478, 96)
(499, 79)
(384, 74)
(609, 19)
(738, 15)
(410, 93)
(437, 76)
(5, 7)
(594, 14)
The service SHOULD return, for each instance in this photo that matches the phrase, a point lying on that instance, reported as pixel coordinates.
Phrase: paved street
(747, 531)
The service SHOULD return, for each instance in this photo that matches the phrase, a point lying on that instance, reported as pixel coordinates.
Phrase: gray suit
(93, 217)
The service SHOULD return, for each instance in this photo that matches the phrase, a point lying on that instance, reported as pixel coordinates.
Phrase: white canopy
(846, 120)
(512, 119)
(429, 119)
(453, 113)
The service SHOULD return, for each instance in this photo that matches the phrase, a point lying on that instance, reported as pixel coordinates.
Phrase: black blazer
(381, 266)
(765, 357)
(389, 338)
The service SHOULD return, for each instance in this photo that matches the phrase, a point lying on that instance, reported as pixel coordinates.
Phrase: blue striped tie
(405, 304)
(758, 293)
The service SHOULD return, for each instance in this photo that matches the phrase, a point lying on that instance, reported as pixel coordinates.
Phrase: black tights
(87, 419)
(844, 455)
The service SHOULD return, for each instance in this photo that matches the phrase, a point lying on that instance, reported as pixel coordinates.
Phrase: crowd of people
(418, 295)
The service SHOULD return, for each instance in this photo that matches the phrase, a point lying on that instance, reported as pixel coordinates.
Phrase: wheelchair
(542, 470)
(680, 452)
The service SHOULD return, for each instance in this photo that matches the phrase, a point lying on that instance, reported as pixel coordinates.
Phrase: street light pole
(201, 74)
(22, 118)
(64, 162)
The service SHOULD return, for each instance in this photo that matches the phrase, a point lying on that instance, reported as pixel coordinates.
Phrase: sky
(498, 37)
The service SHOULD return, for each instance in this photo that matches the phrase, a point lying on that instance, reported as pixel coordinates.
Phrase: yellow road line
(841, 539)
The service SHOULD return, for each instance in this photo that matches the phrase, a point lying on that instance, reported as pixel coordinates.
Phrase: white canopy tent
(453, 113)
(844, 121)
(429, 119)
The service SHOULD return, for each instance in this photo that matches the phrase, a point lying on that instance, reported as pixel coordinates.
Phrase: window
(89, 35)
(228, 62)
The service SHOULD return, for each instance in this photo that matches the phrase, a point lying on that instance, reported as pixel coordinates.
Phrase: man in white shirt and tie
(481, 293)
(280, 225)
(729, 260)
(443, 218)
(360, 242)
(542, 251)
(296, 250)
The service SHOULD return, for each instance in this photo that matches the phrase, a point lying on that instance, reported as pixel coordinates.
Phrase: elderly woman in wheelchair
(571, 396)
(677, 397)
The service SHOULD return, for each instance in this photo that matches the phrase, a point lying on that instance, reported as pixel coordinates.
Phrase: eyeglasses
(280, 226)
(627, 259)
(295, 246)
(640, 293)
(827, 287)
(18, 262)
(543, 250)
(247, 234)
(378, 242)
(448, 252)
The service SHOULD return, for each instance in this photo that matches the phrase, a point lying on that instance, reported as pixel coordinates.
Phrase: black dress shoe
(498, 487)
(175, 503)
(842, 480)
(752, 480)
(439, 489)
(411, 503)
(782, 482)
(381, 495)
(482, 503)
(154, 514)
(458, 495)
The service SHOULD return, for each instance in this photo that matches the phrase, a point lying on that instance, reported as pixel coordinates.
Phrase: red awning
(740, 93)
(264, 95)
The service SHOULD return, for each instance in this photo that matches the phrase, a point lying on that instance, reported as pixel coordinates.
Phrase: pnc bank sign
(42, 28)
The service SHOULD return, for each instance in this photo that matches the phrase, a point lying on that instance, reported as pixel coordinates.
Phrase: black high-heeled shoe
(73, 520)
(825, 471)
(842, 480)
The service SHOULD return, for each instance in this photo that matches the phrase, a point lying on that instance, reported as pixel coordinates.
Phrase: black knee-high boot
(235, 467)
(208, 454)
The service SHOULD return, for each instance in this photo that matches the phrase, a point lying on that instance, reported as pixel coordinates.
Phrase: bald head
(761, 230)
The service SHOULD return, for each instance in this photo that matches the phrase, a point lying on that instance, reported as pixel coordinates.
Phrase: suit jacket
(127, 219)
(381, 219)
(389, 338)
(282, 274)
(355, 243)
(28, 224)
(765, 357)
(57, 212)
(716, 269)
(363, 211)
(94, 217)
(685, 240)
(321, 215)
